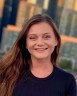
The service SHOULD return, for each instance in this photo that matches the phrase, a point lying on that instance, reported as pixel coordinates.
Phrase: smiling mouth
(41, 49)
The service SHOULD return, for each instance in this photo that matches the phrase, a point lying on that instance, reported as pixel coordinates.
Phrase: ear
(56, 42)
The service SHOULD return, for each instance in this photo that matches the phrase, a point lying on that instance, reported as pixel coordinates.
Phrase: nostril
(39, 45)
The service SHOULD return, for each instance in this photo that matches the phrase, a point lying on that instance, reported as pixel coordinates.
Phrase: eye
(33, 37)
(47, 36)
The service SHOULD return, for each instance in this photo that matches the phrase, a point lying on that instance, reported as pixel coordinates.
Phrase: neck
(41, 68)
(40, 64)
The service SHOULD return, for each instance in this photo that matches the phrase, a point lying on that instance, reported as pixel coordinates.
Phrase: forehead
(41, 28)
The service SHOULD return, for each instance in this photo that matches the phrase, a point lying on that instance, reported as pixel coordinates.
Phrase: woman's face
(41, 41)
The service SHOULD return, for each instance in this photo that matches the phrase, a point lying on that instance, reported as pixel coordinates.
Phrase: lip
(40, 49)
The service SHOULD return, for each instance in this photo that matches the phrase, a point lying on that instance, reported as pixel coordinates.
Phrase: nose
(40, 42)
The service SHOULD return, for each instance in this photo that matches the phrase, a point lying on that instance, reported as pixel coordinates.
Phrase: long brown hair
(15, 61)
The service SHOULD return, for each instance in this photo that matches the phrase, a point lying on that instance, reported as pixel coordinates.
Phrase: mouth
(41, 49)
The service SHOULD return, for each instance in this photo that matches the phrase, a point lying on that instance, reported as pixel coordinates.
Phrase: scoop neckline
(44, 78)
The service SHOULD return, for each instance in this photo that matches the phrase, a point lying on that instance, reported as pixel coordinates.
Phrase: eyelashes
(47, 37)
(44, 37)
(33, 38)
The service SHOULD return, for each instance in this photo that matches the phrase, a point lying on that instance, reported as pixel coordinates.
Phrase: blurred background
(13, 13)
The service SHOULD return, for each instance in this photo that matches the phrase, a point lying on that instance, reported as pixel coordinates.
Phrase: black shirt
(58, 83)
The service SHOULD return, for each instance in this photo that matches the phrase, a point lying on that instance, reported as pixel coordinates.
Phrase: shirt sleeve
(71, 86)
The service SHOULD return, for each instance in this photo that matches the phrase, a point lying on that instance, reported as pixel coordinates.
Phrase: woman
(29, 68)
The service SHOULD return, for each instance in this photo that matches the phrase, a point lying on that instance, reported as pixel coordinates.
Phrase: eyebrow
(36, 34)
(47, 33)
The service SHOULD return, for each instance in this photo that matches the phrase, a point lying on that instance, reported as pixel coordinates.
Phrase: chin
(41, 57)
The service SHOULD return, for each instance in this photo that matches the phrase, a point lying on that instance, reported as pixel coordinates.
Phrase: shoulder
(64, 74)
(66, 78)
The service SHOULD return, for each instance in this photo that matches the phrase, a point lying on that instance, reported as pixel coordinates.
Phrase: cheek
(51, 50)
(29, 46)
(51, 47)
(51, 44)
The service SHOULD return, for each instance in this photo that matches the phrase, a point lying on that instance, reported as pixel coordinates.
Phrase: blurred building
(9, 36)
(1, 13)
(52, 8)
(58, 13)
(9, 11)
(68, 19)
(28, 8)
